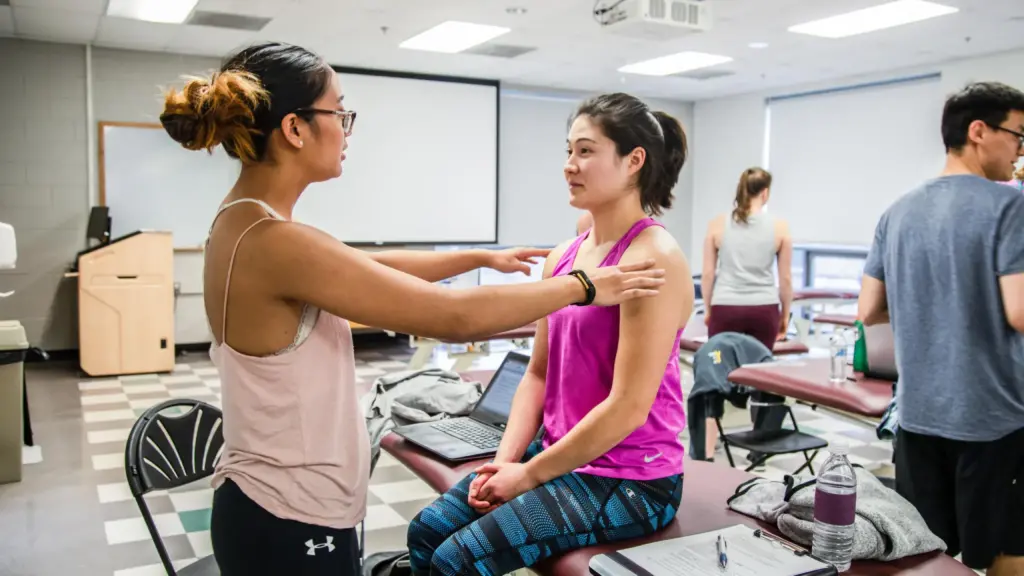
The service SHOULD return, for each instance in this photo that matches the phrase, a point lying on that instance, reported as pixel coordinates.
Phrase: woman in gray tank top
(738, 281)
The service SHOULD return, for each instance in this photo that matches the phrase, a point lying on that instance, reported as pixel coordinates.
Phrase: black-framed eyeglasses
(1020, 137)
(347, 117)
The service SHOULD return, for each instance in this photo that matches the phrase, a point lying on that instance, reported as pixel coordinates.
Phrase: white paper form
(697, 555)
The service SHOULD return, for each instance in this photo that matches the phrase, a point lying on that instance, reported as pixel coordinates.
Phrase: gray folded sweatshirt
(887, 526)
(415, 396)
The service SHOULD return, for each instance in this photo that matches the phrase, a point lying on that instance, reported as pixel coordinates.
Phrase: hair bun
(218, 110)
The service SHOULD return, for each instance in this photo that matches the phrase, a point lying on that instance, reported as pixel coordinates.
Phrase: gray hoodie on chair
(887, 527)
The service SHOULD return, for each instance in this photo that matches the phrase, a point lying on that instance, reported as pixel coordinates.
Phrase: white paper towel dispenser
(8, 247)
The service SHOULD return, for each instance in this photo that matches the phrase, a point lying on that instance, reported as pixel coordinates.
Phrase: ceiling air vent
(705, 74)
(232, 21)
(499, 50)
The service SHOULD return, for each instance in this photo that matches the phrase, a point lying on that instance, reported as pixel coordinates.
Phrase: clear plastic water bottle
(835, 508)
(837, 357)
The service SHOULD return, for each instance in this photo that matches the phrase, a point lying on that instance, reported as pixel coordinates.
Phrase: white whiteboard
(151, 183)
(421, 167)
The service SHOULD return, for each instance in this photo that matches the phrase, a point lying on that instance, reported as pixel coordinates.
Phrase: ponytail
(753, 181)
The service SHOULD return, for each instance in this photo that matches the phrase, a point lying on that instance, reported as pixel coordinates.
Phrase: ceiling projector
(653, 19)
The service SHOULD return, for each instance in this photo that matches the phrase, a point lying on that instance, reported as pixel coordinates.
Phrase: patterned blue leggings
(573, 511)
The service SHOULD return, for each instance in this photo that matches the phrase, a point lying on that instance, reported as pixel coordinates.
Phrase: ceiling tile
(209, 41)
(61, 25)
(87, 6)
(265, 8)
(125, 32)
(571, 50)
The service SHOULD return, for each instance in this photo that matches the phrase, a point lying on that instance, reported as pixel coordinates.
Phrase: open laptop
(476, 435)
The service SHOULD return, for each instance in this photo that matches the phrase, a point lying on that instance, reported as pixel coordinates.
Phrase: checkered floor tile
(182, 515)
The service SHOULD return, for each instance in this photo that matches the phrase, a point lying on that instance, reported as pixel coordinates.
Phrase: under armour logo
(329, 544)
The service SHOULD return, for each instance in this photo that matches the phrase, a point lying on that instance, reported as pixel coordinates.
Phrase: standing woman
(741, 250)
(291, 483)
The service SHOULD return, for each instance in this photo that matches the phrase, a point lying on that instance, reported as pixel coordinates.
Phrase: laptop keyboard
(470, 431)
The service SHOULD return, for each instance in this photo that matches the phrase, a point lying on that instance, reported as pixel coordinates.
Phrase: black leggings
(249, 541)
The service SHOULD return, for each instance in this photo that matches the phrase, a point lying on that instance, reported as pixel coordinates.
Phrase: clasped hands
(498, 483)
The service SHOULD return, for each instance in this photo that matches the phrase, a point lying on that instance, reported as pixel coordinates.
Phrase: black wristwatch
(587, 285)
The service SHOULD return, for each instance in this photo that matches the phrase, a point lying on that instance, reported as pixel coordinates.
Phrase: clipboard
(750, 551)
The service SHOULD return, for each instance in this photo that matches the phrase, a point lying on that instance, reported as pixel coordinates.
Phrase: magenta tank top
(582, 343)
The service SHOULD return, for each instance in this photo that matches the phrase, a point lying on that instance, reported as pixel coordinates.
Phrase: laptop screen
(496, 404)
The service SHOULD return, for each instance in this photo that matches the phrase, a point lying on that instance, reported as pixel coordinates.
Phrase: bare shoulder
(716, 227)
(717, 224)
(290, 252)
(657, 243)
(781, 227)
(555, 255)
(676, 297)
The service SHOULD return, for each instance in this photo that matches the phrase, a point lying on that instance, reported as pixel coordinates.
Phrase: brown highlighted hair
(242, 103)
(628, 122)
(753, 181)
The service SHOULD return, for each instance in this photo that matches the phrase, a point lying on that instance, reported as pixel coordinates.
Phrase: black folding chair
(166, 451)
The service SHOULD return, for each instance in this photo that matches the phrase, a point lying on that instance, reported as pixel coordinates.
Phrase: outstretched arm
(436, 266)
(348, 284)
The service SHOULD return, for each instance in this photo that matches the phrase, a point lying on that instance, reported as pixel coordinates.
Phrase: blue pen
(723, 560)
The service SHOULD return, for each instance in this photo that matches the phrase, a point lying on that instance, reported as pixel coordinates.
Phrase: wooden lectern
(126, 305)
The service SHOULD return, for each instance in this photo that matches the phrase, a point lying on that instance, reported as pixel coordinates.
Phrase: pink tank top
(582, 343)
(295, 440)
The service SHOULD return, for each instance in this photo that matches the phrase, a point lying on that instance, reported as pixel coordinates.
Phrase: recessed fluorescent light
(675, 63)
(167, 11)
(758, 45)
(875, 18)
(451, 37)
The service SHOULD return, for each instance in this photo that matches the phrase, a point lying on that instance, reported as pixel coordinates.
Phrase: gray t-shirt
(940, 251)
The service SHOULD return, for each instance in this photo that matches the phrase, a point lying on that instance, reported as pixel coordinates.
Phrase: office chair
(166, 451)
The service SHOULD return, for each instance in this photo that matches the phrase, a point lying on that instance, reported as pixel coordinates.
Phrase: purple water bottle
(835, 508)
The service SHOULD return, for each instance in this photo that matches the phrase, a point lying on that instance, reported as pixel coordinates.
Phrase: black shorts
(971, 494)
(248, 540)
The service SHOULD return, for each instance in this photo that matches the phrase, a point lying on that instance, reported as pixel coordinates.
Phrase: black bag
(387, 564)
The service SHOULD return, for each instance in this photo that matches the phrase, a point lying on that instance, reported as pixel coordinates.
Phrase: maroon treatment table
(823, 294)
(847, 320)
(696, 332)
(706, 488)
(807, 379)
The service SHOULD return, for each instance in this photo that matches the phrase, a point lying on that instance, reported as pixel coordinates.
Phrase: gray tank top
(746, 260)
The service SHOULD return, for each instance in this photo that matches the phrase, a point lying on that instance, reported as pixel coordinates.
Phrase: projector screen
(840, 159)
(421, 166)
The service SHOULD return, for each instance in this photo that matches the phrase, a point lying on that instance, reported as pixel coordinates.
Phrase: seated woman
(605, 383)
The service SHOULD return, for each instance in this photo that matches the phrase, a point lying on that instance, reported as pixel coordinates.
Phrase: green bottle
(860, 351)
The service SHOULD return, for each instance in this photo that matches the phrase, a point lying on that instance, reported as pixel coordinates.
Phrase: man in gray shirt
(947, 270)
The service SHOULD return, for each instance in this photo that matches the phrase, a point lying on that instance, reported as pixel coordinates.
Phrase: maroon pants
(761, 322)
